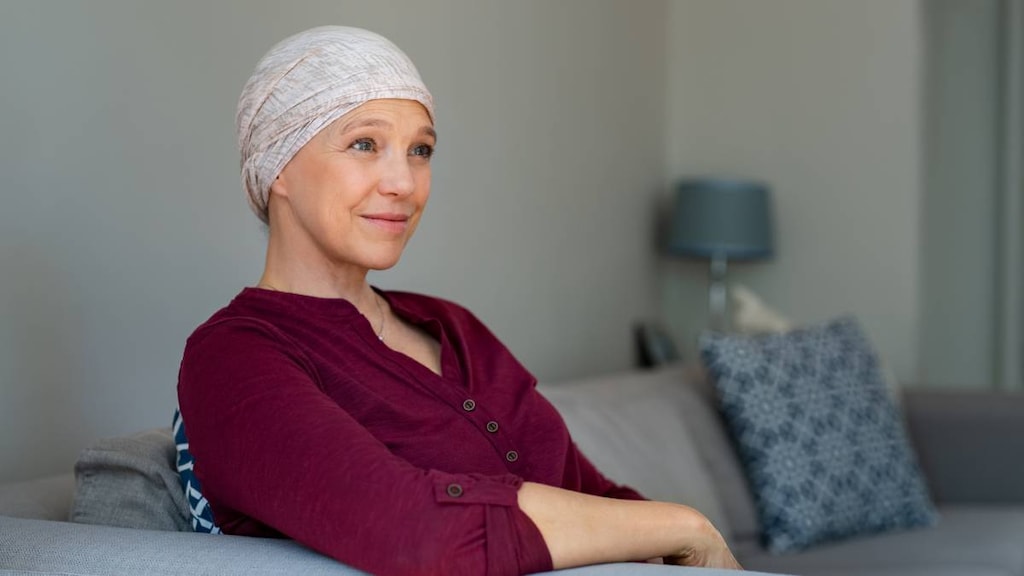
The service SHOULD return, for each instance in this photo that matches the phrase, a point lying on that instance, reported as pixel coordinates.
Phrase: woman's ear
(278, 186)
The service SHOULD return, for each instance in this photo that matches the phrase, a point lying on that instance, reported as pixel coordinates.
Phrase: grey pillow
(130, 482)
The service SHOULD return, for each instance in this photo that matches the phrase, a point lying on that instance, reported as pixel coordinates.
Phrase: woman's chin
(382, 262)
(369, 256)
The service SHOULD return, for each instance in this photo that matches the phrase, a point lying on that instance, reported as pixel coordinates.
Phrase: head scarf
(306, 82)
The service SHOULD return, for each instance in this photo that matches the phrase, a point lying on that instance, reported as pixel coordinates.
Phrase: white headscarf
(306, 82)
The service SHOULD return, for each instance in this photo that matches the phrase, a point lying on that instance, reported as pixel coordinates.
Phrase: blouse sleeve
(270, 445)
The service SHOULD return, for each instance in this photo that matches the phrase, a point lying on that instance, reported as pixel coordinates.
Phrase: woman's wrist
(695, 532)
(701, 543)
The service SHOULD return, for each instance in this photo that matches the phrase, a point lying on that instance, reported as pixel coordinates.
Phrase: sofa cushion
(631, 427)
(130, 482)
(822, 443)
(718, 454)
(967, 541)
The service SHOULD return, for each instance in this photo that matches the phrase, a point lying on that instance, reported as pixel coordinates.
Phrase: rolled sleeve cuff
(514, 544)
(532, 554)
(456, 489)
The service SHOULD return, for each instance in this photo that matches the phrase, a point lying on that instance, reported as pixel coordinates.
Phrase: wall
(821, 98)
(124, 225)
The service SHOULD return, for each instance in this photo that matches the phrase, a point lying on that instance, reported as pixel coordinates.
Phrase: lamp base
(718, 294)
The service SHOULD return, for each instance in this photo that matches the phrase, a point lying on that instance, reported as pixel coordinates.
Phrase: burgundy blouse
(303, 424)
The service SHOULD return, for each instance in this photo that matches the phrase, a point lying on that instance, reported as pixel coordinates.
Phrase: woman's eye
(363, 145)
(424, 150)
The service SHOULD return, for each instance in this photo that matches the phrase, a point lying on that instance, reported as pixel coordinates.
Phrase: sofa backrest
(659, 432)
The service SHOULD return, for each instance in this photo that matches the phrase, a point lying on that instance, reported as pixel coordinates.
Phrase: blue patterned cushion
(822, 443)
(202, 516)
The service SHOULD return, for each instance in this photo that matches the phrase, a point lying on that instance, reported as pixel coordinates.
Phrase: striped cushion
(202, 516)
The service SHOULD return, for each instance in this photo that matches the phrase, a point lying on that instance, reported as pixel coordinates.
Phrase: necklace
(383, 318)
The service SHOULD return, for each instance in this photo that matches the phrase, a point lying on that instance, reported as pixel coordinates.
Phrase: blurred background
(880, 125)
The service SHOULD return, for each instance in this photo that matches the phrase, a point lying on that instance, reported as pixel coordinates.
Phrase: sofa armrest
(47, 547)
(970, 444)
(43, 547)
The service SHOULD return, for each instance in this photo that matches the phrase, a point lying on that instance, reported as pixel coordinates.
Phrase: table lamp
(721, 219)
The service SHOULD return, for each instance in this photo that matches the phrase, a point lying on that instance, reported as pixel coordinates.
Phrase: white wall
(123, 224)
(822, 99)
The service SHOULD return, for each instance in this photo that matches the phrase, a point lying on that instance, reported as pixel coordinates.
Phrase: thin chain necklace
(383, 318)
(376, 300)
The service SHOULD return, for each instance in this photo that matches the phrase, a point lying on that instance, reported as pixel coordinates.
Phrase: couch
(656, 430)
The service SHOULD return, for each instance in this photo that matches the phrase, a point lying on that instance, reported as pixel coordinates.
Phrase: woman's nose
(397, 177)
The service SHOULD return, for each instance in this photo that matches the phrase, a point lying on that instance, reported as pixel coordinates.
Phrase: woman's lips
(394, 223)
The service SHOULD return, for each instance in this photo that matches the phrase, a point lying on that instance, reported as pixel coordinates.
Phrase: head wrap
(306, 82)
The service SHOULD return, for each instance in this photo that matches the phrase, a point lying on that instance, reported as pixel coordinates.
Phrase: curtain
(1009, 369)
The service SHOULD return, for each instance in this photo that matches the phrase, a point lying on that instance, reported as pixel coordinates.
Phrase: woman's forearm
(580, 529)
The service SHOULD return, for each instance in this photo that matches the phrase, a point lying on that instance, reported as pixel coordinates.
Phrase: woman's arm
(581, 529)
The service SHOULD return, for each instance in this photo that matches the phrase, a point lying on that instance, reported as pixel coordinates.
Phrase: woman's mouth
(393, 223)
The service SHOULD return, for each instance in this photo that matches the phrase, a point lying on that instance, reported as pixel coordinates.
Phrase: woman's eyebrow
(379, 123)
(363, 123)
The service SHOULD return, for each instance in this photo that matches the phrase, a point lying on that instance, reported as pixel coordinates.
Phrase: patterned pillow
(822, 443)
(202, 516)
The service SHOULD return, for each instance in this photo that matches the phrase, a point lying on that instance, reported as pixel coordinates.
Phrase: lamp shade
(722, 218)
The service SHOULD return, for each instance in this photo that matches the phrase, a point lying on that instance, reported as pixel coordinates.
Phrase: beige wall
(123, 224)
(822, 99)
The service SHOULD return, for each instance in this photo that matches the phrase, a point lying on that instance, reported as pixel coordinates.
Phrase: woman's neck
(312, 276)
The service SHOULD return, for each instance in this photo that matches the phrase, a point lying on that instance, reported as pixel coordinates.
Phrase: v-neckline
(435, 329)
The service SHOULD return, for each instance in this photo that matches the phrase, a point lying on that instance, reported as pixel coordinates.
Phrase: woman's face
(354, 194)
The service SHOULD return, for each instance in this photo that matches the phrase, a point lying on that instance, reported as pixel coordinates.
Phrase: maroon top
(302, 423)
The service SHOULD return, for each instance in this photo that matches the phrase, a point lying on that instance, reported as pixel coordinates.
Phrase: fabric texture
(632, 426)
(199, 507)
(36, 547)
(130, 482)
(303, 423)
(822, 443)
(306, 82)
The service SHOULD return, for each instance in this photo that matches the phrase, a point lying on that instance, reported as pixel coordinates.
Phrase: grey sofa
(658, 431)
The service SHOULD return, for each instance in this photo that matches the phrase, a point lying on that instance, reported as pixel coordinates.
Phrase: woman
(388, 430)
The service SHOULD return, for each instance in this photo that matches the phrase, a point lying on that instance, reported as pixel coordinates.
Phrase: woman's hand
(707, 549)
(580, 529)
